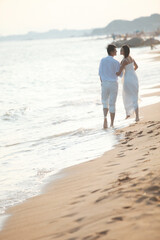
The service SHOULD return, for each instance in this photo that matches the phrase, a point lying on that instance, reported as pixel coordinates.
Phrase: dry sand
(152, 94)
(114, 197)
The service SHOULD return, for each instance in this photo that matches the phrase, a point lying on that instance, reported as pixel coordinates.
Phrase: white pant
(109, 95)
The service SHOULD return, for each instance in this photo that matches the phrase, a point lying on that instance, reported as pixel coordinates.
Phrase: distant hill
(146, 24)
(54, 33)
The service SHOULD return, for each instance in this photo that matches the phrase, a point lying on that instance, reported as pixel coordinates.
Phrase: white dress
(130, 89)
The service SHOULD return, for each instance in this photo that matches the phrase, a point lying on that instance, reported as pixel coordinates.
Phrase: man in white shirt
(109, 83)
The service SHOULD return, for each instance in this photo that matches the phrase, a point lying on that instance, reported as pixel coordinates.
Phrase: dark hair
(110, 48)
(126, 50)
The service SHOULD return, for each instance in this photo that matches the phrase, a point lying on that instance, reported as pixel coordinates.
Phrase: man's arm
(100, 66)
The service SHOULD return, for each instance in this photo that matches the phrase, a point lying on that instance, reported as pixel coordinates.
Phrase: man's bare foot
(127, 116)
(105, 125)
(137, 119)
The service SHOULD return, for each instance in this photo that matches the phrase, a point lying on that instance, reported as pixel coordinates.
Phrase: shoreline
(83, 195)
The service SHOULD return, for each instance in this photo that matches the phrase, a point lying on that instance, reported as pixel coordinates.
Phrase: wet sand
(114, 197)
(156, 58)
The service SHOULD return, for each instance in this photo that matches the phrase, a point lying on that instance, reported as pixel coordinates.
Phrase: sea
(51, 115)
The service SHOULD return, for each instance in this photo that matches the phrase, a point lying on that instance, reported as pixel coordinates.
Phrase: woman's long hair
(126, 50)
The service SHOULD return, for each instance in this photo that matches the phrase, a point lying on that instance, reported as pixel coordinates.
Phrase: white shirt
(108, 68)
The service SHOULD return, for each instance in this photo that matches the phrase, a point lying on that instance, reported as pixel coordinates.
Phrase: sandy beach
(156, 58)
(114, 197)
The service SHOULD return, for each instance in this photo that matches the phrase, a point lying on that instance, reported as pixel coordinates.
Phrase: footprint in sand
(150, 131)
(128, 133)
(94, 191)
(81, 196)
(135, 166)
(154, 199)
(140, 135)
(129, 145)
(73, 203)
(103, 232)
(139, 200)
(134, 184)
(100, 199)
(90, 237)
(154, 148)
(128, 139)
(127, 207)
(157, 134)
(106, 189)
(153, 188)
(120, 155)
(146, 160)
(74, 238)
(140, 159)
(79, 219)
(145, 169)
(70, 215)
(115, 164)
(73, 230)
(97, 236)
(150, 174)
(140, 132)
(151, 125)
(117, 219)
(124, 178)
(146, 154)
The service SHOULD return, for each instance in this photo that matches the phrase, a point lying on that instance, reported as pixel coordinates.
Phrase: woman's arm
(135, 65)
(123, 64)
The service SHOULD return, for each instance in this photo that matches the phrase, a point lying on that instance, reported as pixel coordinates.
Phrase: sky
(22, 16)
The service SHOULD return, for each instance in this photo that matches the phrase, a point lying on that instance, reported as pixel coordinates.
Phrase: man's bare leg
(112, 115)
(105, 111)
(127, 116)
(137, 114)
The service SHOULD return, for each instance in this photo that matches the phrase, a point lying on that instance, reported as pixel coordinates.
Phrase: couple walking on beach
(109, 70)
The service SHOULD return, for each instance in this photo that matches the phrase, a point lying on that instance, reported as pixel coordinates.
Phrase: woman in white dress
(130, 83)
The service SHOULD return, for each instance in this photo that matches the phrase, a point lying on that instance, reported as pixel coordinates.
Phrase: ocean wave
(69, 134)
(79, 131)
(76, 103)
(60, 121)
(36, 142)
(13, 114)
